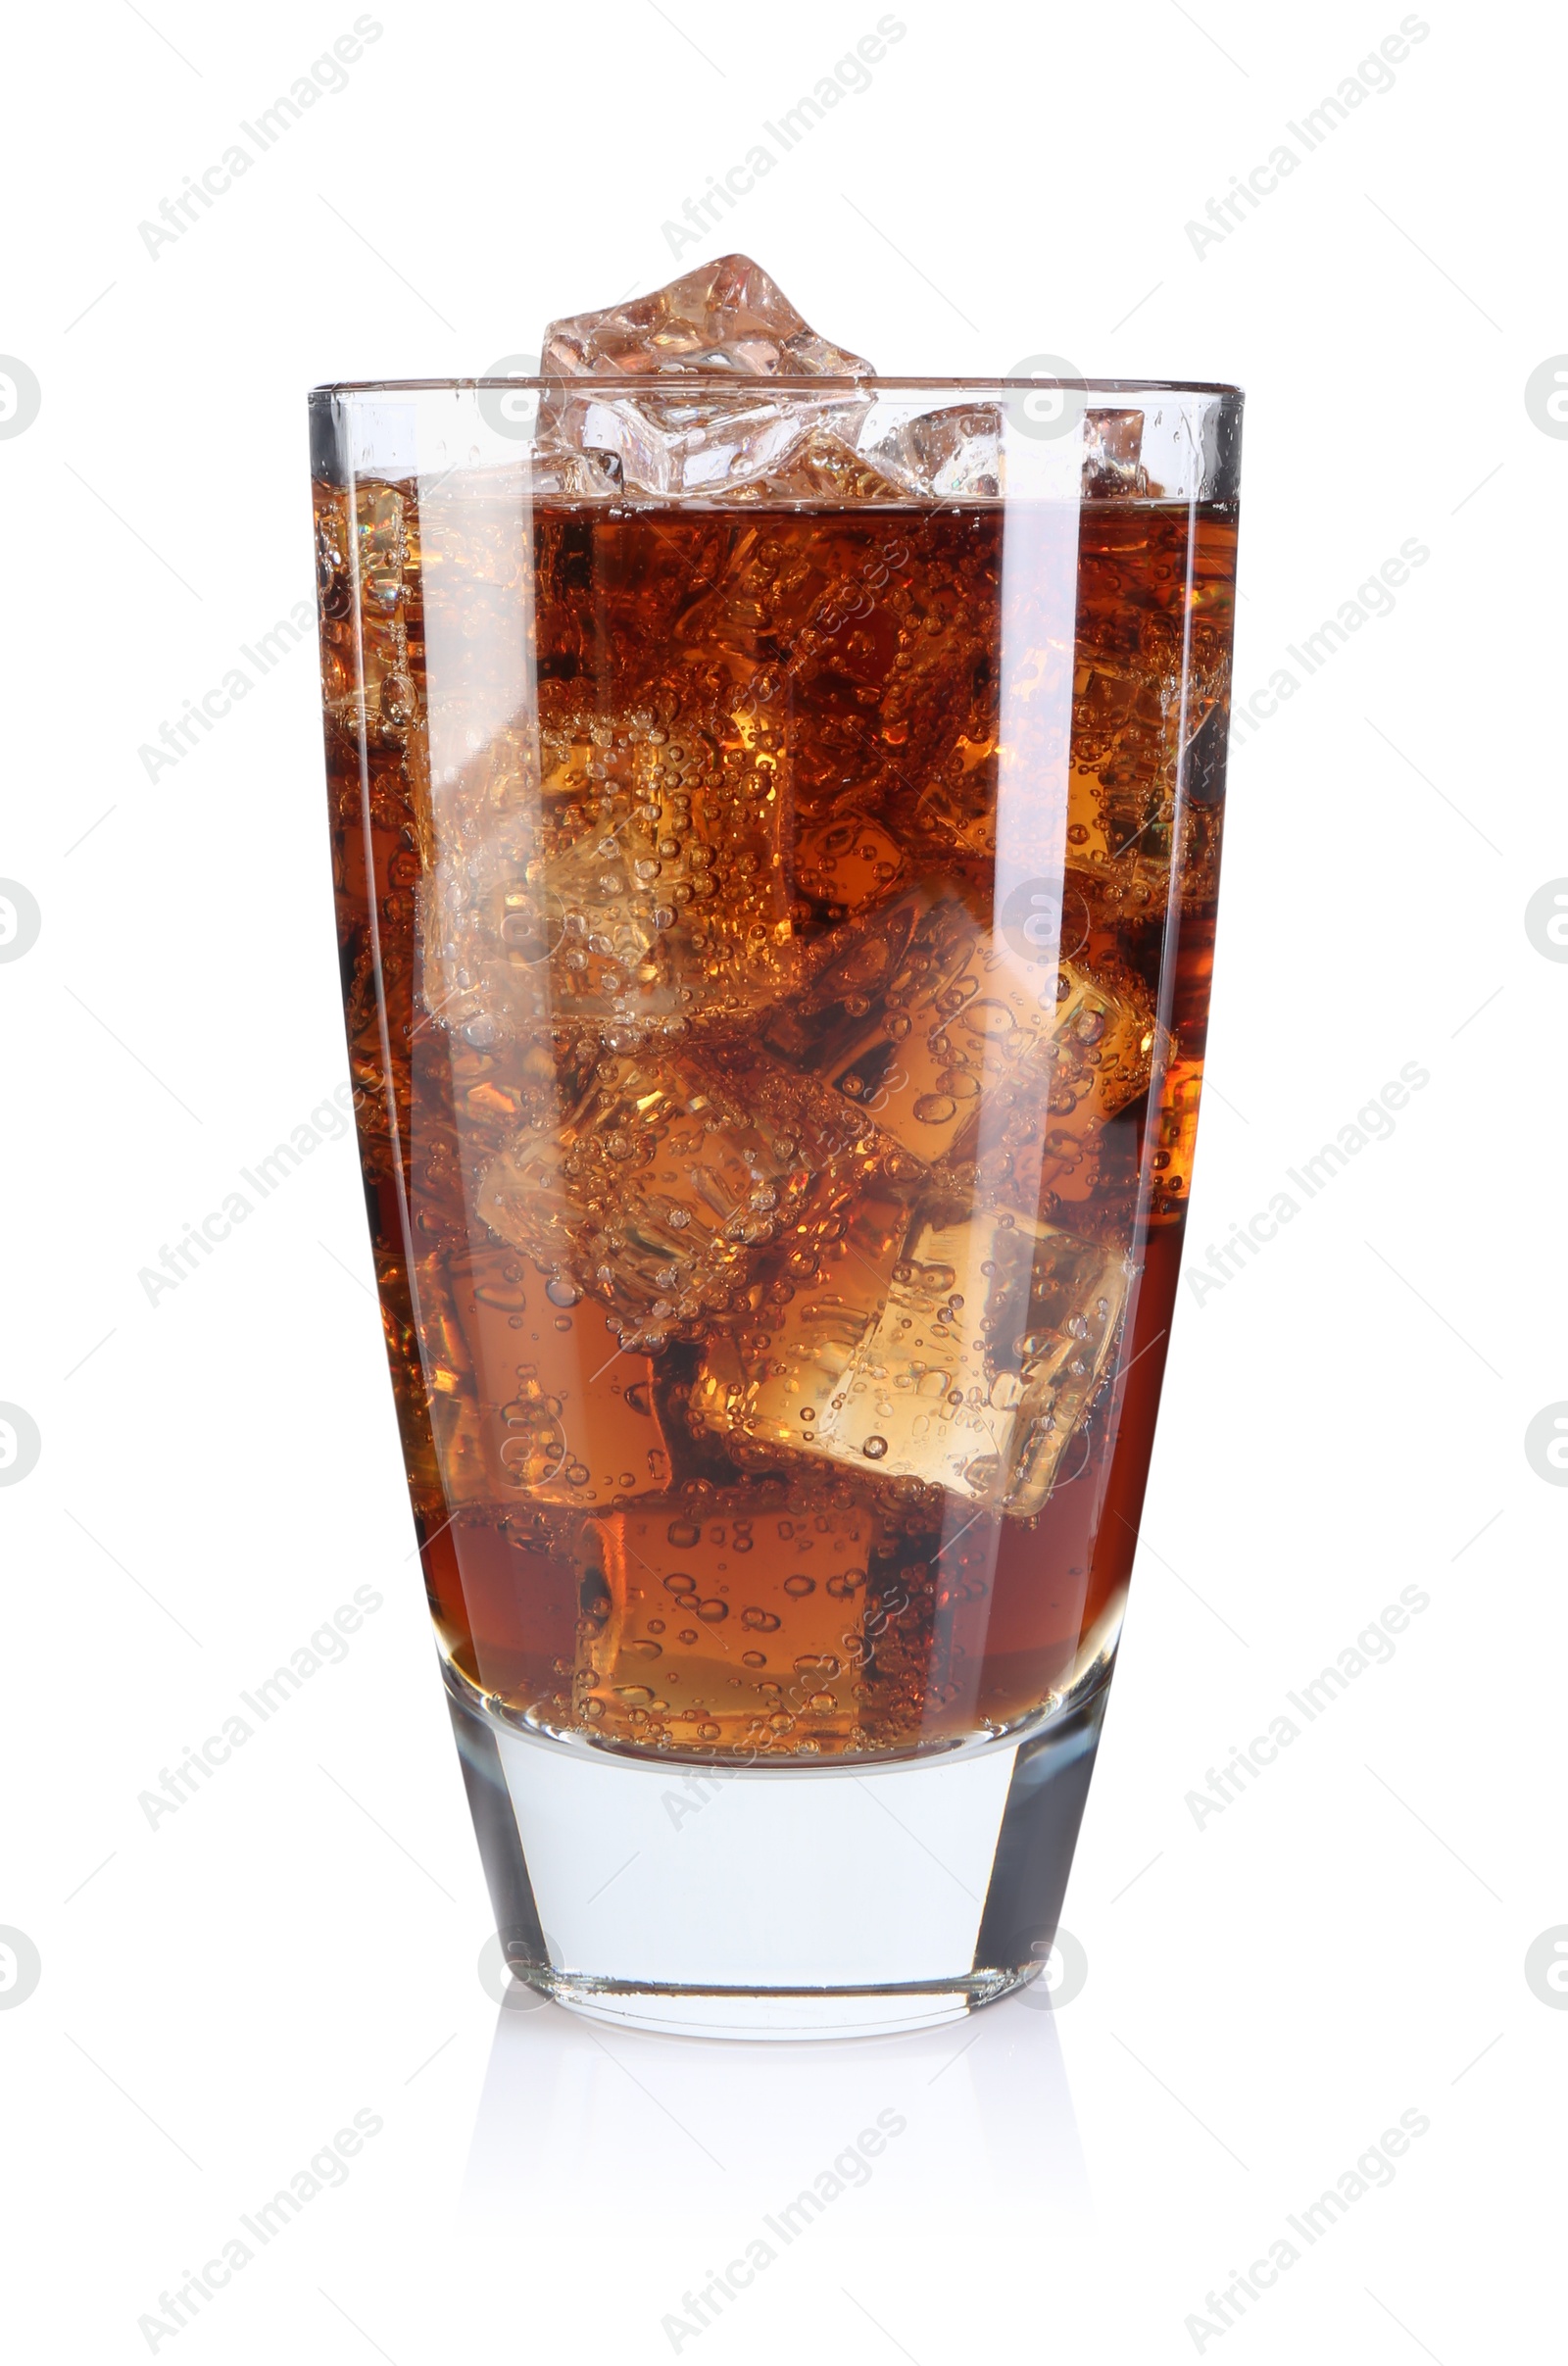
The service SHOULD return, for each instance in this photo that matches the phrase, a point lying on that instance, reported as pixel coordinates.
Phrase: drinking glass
(776, 920)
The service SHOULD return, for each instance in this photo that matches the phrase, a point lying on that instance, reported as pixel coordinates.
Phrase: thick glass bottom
(774, 2012)
(765, 1902)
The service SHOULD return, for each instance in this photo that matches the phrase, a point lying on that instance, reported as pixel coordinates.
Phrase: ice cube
(659, 1192)
(724, 319)
(738, 1628)
(822, 465)
(939, 1031)
(727, 314)
(562, 471)
(1113, 455)
(367, 552)
(960, 1348)
(614, 872)
(1140, 729)
(518, 1409)
(956, 812)
(952, 455)
(658, 888)
(671, 442)
(1175, 1139)
(847, 865)
(1122, 781)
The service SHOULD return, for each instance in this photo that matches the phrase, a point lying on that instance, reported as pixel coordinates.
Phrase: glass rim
(677, 382)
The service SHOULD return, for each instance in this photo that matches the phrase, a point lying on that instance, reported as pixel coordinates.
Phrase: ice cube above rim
(724, 315)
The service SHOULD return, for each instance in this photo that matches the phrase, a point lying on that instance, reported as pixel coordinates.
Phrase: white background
(1266, 1993)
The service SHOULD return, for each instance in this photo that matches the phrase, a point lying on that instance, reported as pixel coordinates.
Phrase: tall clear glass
(777, 922)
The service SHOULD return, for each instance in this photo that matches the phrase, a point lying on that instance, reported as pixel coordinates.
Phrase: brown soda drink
(777, 1051)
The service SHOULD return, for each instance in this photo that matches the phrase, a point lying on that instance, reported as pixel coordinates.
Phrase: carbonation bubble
(987, 1017)
(560, 1293)
(874, 1449)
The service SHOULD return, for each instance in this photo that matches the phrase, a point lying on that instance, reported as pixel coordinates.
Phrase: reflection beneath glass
(574, 2119)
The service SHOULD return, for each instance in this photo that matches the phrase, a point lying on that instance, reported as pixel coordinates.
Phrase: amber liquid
(775, 951)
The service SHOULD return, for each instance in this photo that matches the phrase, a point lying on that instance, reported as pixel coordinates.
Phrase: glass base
(776, 1901)
(773, 2012)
